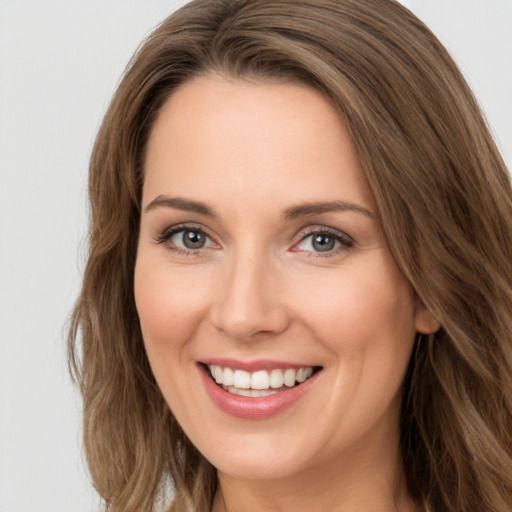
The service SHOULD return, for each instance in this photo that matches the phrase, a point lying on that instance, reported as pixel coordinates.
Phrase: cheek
(362, 312)
(366, 322)
(169, 304)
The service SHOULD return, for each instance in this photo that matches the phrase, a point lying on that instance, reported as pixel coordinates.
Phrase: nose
(251, 301)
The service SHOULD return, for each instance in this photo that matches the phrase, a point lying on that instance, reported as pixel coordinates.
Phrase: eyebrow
(304, 210)
(179, 203)
(294, 212)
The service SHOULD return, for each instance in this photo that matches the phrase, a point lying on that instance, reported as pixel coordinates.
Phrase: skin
(259, 289)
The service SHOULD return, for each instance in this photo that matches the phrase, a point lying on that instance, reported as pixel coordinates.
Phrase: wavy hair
(444, 199)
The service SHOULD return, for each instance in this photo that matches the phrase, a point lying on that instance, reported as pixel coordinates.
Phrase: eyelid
(164, 236)
(347, 242)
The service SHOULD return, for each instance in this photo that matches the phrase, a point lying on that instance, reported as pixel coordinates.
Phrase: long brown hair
(444, 199)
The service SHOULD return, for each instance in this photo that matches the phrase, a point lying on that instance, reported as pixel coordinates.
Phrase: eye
(185, 239)
(190, 239)
(324, 241)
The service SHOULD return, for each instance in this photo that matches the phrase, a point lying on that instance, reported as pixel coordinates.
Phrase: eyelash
(344, 240)
(166, 235)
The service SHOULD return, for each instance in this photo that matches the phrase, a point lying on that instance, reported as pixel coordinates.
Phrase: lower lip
(253, 408)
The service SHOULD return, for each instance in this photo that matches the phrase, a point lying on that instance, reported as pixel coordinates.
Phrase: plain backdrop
(60, 61)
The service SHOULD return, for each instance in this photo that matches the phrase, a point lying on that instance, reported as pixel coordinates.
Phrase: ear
(425, 321)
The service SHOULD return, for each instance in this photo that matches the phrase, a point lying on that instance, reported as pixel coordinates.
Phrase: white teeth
(289, 377)
(259, 380)
(303, 374)
(277, 379)
(255, 393)
(232, 390)
(228, 377)
(254, 384)
(217, 374)
(241, 379)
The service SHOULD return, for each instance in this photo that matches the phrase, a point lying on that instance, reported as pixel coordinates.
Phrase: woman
(298, 294)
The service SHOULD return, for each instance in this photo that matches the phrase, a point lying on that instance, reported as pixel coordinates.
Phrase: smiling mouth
(262, 382)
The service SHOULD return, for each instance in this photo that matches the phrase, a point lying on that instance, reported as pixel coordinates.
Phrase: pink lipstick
(273, 386)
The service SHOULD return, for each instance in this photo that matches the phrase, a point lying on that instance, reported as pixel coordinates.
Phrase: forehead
(280, 140)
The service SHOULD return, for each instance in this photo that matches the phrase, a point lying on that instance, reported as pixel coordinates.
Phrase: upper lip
(254, 365)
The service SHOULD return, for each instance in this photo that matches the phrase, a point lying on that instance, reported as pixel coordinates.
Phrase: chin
(269, 455)
(257, 468)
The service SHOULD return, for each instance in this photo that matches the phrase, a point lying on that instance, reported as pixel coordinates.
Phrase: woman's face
(261, 259)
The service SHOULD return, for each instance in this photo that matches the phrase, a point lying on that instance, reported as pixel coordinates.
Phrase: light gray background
(60, 61)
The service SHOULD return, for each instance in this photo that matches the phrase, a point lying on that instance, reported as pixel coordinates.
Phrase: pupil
(323, 243)
(193, 239)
